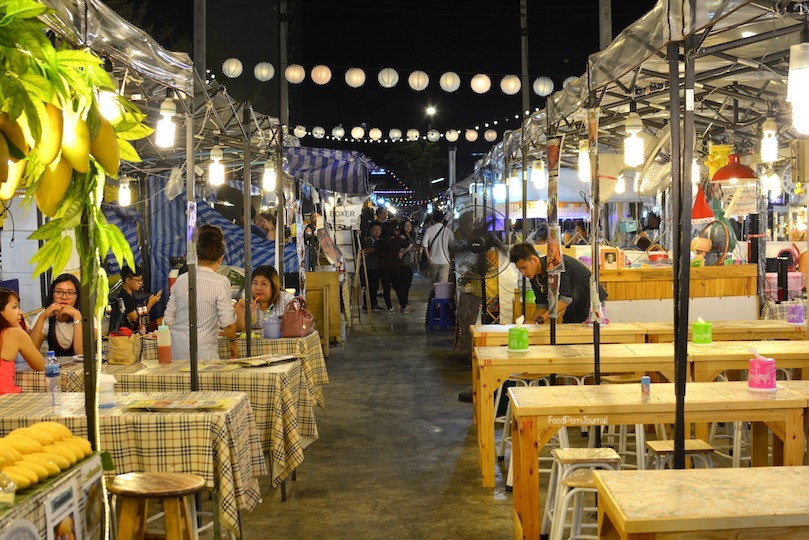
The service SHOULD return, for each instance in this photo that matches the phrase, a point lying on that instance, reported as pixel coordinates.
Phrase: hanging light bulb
(216, 170)
(695, 172)
(584, 160)
(124, 195)
(769, 142)
(633, 144)
(798, 83)
(268, 180)
(539, 175)
(109, 106)
(164, 138)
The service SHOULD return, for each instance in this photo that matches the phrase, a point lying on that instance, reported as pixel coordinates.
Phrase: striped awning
(126, 219)
(334, 170)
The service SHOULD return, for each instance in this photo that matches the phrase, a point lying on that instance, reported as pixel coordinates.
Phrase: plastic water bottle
(52, 374)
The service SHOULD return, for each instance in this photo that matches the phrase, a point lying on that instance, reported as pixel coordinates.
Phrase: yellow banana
(21, 480)
(39, 436)
(50, 465)
(23, 444)
(61, 461)
(57, 430)
(8, 452)
(39, 470)
(84, 444)
(32, 477)
(78, 453)
(63, 451)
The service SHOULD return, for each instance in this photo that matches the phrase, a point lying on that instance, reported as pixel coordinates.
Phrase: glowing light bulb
(584, 160)
(268, 180)
(216, 170)
(166, 128)
(769, 141)
(620, 184)
(124, 195)
(539, 175)
(695, 172)
(633, 144)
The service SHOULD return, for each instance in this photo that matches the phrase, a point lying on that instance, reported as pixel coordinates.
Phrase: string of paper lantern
(388, 78)
(358, 134)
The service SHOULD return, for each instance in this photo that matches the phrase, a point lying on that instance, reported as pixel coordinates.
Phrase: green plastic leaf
(128, 152)
(32, 110)
(62, 255)
(76, 59)
(102, 241)
(93, 121)
(100, 78)
(76, 82)
(23, 9)
(51, 229)
(72, 214)
(45, 256)
(37, 85)
(32, 40)
(137, 132)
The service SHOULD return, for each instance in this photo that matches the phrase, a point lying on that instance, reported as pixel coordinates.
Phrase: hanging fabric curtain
(334, 170)
(126, 219)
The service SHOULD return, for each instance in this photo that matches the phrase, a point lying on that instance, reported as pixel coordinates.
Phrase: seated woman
(132, 280)
(14, 340)
(60, 323)
(268, 298)
(215, 310)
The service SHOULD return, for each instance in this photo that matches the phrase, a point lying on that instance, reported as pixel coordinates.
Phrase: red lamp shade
(734, 172)
(701, 212)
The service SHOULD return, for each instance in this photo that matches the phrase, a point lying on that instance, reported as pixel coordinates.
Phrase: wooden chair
(134, 491)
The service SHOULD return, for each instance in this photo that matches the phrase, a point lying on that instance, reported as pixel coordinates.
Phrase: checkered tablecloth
(222, 446)
(308, 349)
(771, 310)
(32, 507)
(278, 395)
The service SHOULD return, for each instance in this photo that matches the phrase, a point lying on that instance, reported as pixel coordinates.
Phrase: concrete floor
(397, 454)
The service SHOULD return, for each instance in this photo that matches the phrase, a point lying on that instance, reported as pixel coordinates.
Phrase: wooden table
(491, 366)
(663, 332)
(539, 412)
(484, 335)
(222, 446)
(708, 361)
(703, 503)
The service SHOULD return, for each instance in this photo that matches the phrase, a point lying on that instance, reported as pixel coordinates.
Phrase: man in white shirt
(436, 243)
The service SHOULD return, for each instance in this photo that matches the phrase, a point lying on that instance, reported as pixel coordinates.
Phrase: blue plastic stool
(446, 314)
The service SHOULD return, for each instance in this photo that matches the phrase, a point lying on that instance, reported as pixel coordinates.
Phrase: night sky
(465, 36)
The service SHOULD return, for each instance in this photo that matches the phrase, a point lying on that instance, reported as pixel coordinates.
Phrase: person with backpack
(436, 244)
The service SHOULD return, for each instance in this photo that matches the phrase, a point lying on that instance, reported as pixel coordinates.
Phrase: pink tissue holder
(761, 377)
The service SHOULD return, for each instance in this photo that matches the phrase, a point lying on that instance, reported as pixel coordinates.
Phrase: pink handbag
(297, 320)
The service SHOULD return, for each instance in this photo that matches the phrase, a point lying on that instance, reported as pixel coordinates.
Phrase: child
(13, 340)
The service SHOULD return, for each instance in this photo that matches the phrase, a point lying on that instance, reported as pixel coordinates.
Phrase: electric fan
(712, 243)
(480, 245)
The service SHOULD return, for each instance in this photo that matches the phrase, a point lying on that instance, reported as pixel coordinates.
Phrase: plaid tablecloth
(308, 349)
(222, 446)
(32, 507)
(771, 310)
(278, 395)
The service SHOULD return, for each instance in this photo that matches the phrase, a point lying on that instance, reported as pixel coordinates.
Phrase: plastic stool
(446, 314)
(573, 487)
(134, 490)
(663, 451)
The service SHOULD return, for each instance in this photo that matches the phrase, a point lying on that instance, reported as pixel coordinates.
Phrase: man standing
(372, 263)
(574, 285)
(436, 244)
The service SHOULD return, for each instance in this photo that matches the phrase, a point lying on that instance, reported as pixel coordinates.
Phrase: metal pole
(247, 185)
(87, 306)
(604, 23)
(200, 44)
(191, 257)
(526, 107)
(284, 118)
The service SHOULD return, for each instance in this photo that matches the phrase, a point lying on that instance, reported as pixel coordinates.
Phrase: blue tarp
(168, 236)
(126, 219)
(334, 170)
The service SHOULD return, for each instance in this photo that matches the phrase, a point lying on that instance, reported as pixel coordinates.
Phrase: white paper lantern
(321, 74)
(451, 135)
(295, 74)
(543, 86)
(471, 135)
(357, 132)
(388, 78)
(510, 85)
(490, 135)
(338, 132)
(568, 81)
(318, 132)
(355, 77)
(449, 81)
(264, 71)
(299, 131)
(481, 83)
(395, 134)
(433, 135)
(412, 134)
(232, 67)
(418, 81)
(375, 134)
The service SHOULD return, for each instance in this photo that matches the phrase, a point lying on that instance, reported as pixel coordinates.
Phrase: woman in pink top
(13, 340)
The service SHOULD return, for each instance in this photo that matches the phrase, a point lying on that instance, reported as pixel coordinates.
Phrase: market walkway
(397, 452)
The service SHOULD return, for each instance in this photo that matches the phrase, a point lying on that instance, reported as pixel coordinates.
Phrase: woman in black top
(61, 322)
